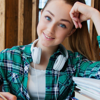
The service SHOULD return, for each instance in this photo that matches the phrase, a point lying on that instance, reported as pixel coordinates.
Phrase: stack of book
(87, 88)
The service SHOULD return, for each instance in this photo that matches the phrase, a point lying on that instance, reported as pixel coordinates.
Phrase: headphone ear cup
(36, 55)
(59, 63)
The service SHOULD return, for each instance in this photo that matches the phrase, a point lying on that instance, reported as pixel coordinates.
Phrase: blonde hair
(80, 42)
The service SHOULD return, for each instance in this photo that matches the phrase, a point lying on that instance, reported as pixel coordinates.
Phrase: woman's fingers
(79, 13)
(8, 96)
(75, 15)
(76, 21)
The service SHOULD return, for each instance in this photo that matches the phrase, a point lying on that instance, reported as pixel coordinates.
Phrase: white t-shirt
(36, 84)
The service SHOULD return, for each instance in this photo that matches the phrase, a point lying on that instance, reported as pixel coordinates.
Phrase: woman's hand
(81, 12)
(8, 96)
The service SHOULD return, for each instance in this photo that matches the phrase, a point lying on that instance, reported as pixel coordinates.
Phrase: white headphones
(60, 61)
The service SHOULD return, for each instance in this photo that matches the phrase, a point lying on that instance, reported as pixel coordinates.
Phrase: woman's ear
(72, 31)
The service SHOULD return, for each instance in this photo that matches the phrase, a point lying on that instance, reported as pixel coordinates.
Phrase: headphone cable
(36, 82)
(57, 85)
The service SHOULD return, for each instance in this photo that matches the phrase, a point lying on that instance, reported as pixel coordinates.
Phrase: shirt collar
(26, 52)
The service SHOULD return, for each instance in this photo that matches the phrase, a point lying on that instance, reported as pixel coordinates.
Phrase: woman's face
(55, 23)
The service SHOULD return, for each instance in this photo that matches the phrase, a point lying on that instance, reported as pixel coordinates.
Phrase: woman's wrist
(95, 15)
(96, 20)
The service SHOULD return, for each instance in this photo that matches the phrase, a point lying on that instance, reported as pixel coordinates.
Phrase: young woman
(44, 69)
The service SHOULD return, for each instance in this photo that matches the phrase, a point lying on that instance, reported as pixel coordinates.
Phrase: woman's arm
(96, 20)
(81, 12)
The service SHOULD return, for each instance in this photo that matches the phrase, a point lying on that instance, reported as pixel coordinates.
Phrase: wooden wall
(18, 21)
(11, 23)
(2, 24)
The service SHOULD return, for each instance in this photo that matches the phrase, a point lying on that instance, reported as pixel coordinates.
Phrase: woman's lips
(48, 37)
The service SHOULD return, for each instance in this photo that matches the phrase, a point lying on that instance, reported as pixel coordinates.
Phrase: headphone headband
(60, 61)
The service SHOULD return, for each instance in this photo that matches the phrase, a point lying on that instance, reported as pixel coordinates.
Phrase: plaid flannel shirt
(15, 62)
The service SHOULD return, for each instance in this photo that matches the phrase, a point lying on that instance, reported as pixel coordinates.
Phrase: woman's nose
(51, 27)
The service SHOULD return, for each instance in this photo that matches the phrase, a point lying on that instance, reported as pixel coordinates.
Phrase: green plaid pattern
(15, 62)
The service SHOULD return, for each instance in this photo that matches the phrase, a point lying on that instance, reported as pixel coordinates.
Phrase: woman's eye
(62, 25)
(48, 18)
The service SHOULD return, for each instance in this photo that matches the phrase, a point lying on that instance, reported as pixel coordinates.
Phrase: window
(88, 2)
(41, 5)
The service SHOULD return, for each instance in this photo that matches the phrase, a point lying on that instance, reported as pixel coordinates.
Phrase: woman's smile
(47, 37)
